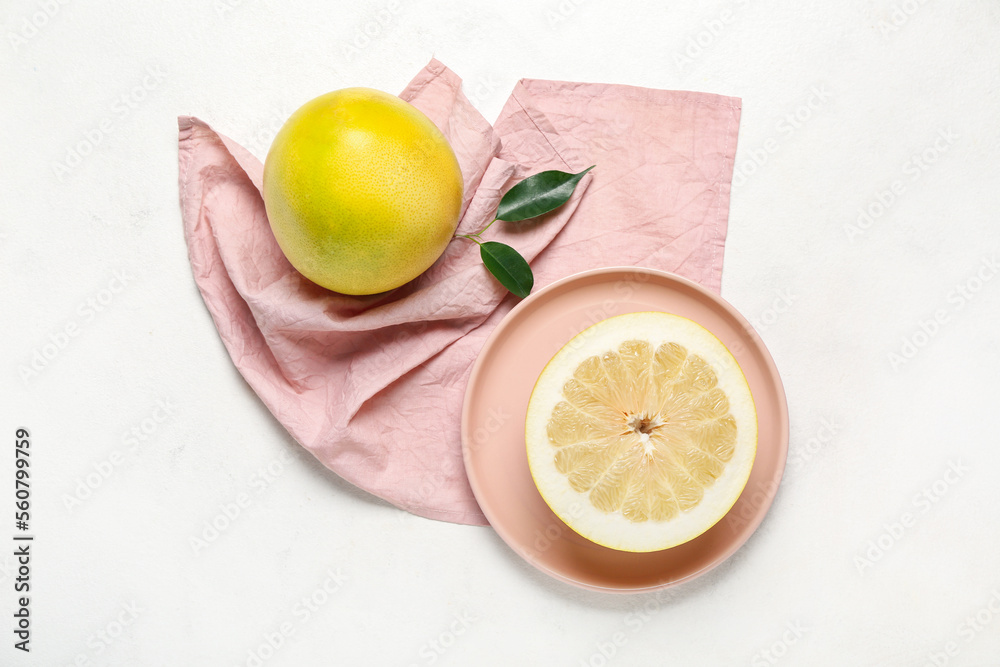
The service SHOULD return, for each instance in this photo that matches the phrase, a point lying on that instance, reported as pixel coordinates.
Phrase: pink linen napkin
(373, 386)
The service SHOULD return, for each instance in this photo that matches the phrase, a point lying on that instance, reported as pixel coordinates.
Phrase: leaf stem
(477, 235)
(487, 226)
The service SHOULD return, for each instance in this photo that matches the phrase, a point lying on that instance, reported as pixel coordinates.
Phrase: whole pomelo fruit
(362, 191)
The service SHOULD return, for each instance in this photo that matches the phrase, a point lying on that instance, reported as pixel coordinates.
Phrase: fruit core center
(643, 424)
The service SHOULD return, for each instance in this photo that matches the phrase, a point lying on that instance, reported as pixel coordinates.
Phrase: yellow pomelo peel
(362, 191)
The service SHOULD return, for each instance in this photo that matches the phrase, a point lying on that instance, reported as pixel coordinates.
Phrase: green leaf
(538, 194)
(508, 266)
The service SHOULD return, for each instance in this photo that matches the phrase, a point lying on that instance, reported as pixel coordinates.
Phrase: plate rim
(781, 444)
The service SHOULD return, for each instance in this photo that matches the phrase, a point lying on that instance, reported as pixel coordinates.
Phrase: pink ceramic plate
(497, 398)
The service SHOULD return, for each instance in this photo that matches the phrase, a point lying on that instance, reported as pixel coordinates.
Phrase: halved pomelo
(641, 432)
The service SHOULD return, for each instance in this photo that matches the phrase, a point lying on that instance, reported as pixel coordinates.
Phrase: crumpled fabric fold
(373, 386)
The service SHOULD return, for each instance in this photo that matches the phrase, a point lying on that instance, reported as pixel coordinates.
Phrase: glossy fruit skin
(362, 191)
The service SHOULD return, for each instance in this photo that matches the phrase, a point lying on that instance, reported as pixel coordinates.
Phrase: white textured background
(890, 107)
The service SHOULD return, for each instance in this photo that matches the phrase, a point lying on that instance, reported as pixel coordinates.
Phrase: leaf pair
(532, 197)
